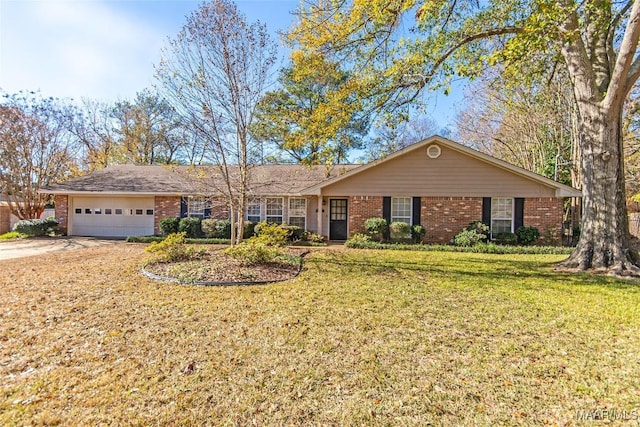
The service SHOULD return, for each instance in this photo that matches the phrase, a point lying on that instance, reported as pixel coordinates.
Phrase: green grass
(359, 338)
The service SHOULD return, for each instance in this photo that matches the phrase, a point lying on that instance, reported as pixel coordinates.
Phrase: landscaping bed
(215, 267)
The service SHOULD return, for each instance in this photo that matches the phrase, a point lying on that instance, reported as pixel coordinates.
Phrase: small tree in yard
(36, 150)
(214, 73)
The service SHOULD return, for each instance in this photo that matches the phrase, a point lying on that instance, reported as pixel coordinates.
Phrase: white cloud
(76, 48)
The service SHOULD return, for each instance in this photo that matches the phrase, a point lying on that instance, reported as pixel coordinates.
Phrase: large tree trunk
(604, 243)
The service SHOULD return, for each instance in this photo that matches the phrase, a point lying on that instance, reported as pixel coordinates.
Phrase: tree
(389, 138)
(315, 116)
(93, 126)
(36, 150)
(528, 124)
(595, 41)
(150, 130)
(214, 73)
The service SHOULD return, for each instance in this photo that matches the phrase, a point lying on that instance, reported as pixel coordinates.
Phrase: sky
(106, 49)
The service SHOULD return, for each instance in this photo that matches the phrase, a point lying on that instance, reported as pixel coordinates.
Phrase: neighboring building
(8, 220)
(437, 183)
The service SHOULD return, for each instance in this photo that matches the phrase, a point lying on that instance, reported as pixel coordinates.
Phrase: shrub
(473, 234)
(271, 234)
(36, 227)
(527, 235)
(208, 226)
(191, 226)
(358, 238)
(400, 230)
(254, 251)
(417, 233)
(12, 235)
(249, 227)
(312, 237)
(222, 229)
(376, 227)
(173, 248)
(295, 232)
(479, 227)
(169, 225)
(505, 238)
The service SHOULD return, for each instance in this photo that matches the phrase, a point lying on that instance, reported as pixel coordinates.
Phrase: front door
(338, 219)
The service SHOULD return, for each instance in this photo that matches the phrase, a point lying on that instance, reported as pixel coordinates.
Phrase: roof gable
(457, 171)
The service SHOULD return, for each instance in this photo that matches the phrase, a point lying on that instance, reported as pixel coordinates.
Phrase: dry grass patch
(359, 338)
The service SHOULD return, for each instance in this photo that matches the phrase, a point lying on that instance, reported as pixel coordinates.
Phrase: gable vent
(433, 151)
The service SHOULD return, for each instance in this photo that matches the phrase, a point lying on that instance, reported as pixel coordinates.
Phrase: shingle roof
(131, 179)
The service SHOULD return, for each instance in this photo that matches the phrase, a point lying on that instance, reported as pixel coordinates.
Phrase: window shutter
(486, 211)
(519, 213)
(386, 213)
(183, 207)
(416, 211)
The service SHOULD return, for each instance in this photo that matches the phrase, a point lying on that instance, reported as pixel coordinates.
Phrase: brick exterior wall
(360, 209)
(220, 208)
(444, 217)
(62, 212)
(5, 219)
(546, 214)
(165, 207)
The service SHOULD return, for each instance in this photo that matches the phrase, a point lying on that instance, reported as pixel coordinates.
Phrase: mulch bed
(214, 267)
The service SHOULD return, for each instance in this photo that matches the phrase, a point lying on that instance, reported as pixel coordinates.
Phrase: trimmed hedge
(483, 248)
(152, 239)
(36, 227)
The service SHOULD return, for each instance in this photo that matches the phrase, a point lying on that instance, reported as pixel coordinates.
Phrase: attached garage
(111, 216)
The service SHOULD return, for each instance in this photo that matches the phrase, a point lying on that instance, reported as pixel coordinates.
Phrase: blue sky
(105, 49)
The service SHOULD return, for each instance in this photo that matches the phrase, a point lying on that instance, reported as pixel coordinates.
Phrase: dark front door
(338, 219)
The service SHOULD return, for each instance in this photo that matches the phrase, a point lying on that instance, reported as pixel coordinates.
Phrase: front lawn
(359, 338)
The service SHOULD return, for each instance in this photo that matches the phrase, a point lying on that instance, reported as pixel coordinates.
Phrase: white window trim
(196, 201)
(410, 209)
(260, 204)
(266, 209)
(511, 218)
(298, 212)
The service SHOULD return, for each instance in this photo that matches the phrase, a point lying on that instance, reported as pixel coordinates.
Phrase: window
(149, 211)
(97, 211)
(87, 211)
(254, 210)
(196, 206)
(298, 212)
(79, 211)
(138, 211)
(107, 211)
(274, 210)
(501, 215)
(118, 211)
(401, 209)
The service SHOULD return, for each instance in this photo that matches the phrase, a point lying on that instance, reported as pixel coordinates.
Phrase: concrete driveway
(36, 246)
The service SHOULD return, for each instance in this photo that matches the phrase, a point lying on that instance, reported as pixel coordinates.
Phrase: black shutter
(386, 214)
(486, 211)
(386, 209)
(519, 213)
(183, 207)
(416, 211)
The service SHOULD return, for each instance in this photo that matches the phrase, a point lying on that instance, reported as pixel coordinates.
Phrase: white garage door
(111, 216)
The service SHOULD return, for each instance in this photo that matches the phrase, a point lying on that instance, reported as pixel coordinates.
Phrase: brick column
(61, 203)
